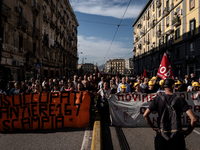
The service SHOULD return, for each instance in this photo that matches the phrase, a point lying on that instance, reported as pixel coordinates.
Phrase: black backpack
(169, 122)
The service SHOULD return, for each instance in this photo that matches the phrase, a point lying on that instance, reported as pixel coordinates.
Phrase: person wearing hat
(159, 103)
(196, 86)
(128, 89)
(155, 82)
(137, 88)
(122, 88)
(161, 89)
(151, 88)
(178, 85)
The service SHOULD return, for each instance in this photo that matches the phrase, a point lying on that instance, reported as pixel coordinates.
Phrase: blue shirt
(128, 89)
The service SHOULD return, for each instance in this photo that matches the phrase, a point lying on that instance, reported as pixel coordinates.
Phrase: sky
(99, 37)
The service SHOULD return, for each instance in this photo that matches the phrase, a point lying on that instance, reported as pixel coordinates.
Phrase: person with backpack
(170, 135)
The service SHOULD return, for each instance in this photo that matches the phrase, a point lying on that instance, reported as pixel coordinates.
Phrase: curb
(96, 140)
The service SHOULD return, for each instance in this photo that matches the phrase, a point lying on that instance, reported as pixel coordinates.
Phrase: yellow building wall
(191, 14)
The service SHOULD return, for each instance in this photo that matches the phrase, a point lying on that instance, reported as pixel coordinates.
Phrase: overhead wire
(117, 29)
(101, 23)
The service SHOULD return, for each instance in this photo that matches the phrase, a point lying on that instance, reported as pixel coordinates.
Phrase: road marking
(86, 140)
(196, 132)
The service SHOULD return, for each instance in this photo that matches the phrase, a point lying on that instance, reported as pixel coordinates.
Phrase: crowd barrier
(44, 111)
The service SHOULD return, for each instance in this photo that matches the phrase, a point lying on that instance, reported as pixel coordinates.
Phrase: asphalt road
(142, 139)
(61, 139)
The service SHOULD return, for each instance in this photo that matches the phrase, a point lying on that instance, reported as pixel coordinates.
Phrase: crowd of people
(93, 83)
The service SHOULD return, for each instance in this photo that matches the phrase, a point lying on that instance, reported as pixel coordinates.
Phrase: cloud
(111, 8)
(95, 49)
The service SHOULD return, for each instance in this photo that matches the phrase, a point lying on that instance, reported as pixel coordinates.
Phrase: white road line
(86, 140)
(196, 132)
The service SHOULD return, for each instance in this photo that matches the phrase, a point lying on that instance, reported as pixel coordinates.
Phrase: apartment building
(39, 38)
(115, 66)
(170, 26)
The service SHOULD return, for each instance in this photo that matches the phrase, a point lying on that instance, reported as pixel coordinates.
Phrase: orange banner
(44, 111)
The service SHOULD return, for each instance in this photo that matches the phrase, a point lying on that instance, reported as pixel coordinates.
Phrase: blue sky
(98, 22)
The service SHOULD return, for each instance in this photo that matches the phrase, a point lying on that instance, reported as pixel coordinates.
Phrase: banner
(165, 69)
(128, 109)
(44, 111)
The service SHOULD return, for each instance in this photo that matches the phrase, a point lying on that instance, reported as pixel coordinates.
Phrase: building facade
(88, 68)
(170, 26)
(115, 66)
(39, 38)
(129, 66)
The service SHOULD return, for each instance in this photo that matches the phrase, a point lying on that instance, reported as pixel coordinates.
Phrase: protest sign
(128, 109)
(44, 111)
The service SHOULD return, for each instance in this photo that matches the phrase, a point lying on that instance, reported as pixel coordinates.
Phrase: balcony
(58, 14)
(148, 17)
(139, 46)
(62, 35)
(46, 39)
(166, 11)
(142, 32)
(139, 26)
(176, 21)
(52, 24)
(24, 1)
(153, 23)
(136, 39)
(58, 30)
(36, 32)
(158, 33)
(53, 6)
(6, 11)
(35, 7)
(158, 3)
(46, 18)
(134, 32)
(47, 1)
(23, 23)
(147, 42)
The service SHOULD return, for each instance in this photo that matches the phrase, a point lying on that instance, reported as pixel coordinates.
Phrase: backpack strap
(172, 103)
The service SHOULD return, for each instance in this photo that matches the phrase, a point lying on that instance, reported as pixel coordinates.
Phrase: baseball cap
(168, 82)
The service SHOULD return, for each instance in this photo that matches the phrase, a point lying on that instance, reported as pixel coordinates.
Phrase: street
(80, 139)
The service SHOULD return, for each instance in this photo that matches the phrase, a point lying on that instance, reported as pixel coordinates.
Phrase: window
(167, 21)
(153, 6)
(153, 31)
(191, 47)
(192, 27)
(159, 27)
(167, 5)
(159, 12)
(178, 11)
(192, 5)
(177, 33)
(160, 42)
(20, 41)
(148, 24)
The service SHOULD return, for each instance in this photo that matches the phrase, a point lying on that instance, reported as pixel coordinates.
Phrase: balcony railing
(52, 24)
(6, 11)
(153, 23)
(23, 1)
(142, 32)
(158, 33)
(176, 21)
(35, 7)
(53, 6)
(139, 26)
(36, 31)
(148, 17)
(166, 11)
(46, 17)
(23, 23)
(147, 42)
(47, 1)
(158, 3)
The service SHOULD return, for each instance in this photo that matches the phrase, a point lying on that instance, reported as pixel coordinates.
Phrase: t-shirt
(158, 105)
(3, 92)
(16, 91)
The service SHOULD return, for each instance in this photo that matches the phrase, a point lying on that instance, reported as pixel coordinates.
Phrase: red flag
(145, 73)
(165, 69)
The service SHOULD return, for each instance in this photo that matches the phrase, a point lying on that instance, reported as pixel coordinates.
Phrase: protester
(161, 89)
(151, 88)
(1, 88)
(170, 139)
(102, 103)
(144, 85)
(196, 86)
(16, 90)
(178, 85)
(123, 88)
(128, 89)
(137, 88)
